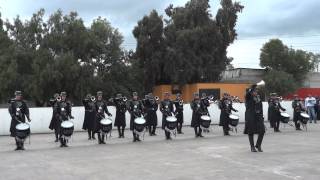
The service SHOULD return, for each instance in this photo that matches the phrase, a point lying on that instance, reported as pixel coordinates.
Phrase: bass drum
(67, 128)
(285, 117)
(205, 121)
(139, 124)
(22, 130)
(234, 120)
(171, 122)
(106, 125)
(304, 118)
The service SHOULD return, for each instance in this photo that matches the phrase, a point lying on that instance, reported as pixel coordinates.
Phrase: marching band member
(121, 108)
(102, 109)
(151, 107)
(196, 115)
(64, 111)
(89, 115)
(136, 110)
(297, 109)
(225, 106)
(254, 121)
(178, 103)
(166, 107)
(275, 115)
(18, 110)
(54, 123)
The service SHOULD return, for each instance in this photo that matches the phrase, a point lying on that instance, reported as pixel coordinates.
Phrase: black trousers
(259, 140)
(152, 129)
(121, 131)
(168, 134)
(276, 125)
(179, 127)
(197, 131)
(101, 137)
(19, 144)
(91, 134)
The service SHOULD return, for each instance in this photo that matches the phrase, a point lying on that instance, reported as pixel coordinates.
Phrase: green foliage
(190, 48)
(280, 82)
(283, 61)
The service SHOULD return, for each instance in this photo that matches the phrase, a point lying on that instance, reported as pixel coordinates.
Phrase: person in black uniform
(18, 110)
(196, 115)
(64, 110)
(166, 107)
(136, 110)
(254, 121)
(270, 100)
(178, 103)
(54, 124)
(275, 115)
(89, 115)
(225, 106)
(151, 107)
(102, 109)
(121, 108)
(297, 109)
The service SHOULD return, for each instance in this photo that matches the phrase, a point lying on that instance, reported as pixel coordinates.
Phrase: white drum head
(139, 120)
(22, 126)
(171, 119)
(232, 116)
(106, 122)
(284, 114)
(206, 118)
(67, 124)
(305, 115)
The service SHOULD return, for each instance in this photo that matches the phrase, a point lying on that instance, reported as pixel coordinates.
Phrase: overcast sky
(296, 22)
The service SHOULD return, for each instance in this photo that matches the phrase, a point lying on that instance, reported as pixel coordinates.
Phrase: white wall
(41, 117)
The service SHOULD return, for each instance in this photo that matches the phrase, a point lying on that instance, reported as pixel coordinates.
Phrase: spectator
(310, 102)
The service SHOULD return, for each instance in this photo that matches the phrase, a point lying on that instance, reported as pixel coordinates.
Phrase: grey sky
(294, 21)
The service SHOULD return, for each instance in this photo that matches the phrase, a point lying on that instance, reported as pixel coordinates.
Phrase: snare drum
(205, 121)
(139, 124)
(22, 130)
(106, 125)
(171, 122)
(67, 128)
(285, 117)
(234, 120)
(304, 117)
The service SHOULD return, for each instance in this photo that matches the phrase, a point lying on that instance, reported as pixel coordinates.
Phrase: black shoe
(94, 138)
(259, 148)
(253, 149)
(200, 135)
(298, 129)
(17, 149)
(154, 134)
(61, 145)
(120, 136)
(103, 142)
(138, 140)
(89, 138)
(56, 140)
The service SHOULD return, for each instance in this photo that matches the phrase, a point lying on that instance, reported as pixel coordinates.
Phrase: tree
(287, 62)
(150, 48)
(280, 82)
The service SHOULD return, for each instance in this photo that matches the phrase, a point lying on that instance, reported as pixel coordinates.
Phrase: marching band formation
(143, 116)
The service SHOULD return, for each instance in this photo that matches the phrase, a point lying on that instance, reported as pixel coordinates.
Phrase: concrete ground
(287, 155)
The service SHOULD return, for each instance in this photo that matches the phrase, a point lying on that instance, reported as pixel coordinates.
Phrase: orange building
(215, 89)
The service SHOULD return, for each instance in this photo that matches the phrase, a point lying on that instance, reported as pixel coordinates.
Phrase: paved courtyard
(287, 155)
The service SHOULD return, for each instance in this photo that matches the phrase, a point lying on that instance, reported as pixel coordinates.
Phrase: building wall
(234, 89)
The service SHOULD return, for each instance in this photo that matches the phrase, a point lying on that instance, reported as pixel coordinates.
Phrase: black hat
(99, 93)
(18, 93)
(119, 95)
(63, 93)
(195, 94)
(88, 95)
(56, 95)
(134, 94)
